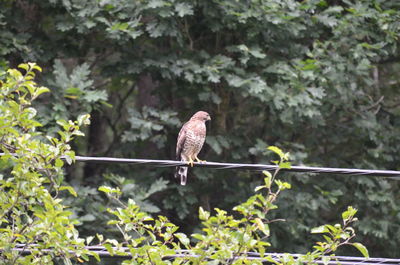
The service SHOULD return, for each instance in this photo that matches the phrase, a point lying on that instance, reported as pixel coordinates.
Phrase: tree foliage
(35, 218)
(31, 211)
(318, 78)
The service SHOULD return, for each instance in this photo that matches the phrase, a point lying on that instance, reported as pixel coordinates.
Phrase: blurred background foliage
(316, 78)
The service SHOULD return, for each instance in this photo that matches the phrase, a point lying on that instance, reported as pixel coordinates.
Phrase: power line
(257, 167)
(124, 253)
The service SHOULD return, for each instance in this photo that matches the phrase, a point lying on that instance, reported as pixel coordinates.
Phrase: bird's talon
(190, 162)
(200, 161)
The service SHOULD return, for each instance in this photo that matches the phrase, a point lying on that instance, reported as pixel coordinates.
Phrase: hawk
(190, 141)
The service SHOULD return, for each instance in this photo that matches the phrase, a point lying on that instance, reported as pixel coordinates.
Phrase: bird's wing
(181, 140)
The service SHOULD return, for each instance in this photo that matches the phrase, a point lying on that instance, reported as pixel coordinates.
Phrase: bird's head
(202, 116)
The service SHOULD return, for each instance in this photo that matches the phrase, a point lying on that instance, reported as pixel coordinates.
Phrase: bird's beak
(209, 118)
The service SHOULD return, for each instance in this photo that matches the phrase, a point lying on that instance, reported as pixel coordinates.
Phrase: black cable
(258, 167)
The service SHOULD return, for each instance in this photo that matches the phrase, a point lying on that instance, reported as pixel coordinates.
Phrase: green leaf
(59, 163)
(267, 173)
(183, 9)
(73, 91)
(37, 67)
(349, 213)
(183, 239)
(277, 151)
(109, 248)
(272, 260)
(286, 165)
(259, 188)
(203, 215)
(41, 90)
(362, 249)
(70, 189)
(83, 119)
(89, 239)
(262, 227)
(109, 190)
(287, 185)
(256, 52)
(319, 230)
(105, 189)
(333, 229)
(24, 66)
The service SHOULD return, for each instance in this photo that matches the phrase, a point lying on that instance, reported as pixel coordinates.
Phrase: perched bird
(190, 141)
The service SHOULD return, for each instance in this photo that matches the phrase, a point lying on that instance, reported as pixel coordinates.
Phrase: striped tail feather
(181, 172)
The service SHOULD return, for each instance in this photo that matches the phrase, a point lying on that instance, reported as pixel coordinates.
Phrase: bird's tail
(181, 172)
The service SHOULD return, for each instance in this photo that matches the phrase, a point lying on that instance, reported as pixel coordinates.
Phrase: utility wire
(124, 253)
(257, 167)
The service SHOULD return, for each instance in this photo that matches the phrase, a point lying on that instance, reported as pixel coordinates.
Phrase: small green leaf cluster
(338, 235)
(149, 239)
